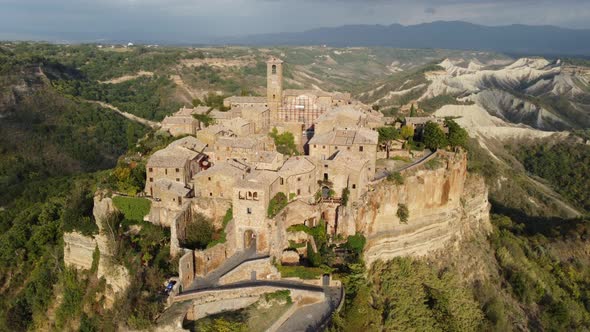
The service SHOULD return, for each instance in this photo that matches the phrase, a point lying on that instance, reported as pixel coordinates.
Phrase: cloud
(193, 20)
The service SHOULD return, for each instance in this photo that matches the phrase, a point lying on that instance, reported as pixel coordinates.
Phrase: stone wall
(206, 261)
(186, 269)
(262, 267)
(441, 205)
(212, 208)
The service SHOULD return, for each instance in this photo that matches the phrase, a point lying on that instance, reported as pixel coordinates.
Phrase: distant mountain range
(516, 39)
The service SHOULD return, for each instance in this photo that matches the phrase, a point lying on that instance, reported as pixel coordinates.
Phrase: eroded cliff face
(444, 202)
(79, 249)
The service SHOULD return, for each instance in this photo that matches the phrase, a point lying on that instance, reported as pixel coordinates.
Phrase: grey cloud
(194, 20)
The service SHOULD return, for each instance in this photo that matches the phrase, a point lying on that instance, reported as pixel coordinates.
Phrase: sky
(195, 21)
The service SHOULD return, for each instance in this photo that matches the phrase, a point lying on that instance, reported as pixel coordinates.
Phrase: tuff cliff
(444, 202)
(79, 249)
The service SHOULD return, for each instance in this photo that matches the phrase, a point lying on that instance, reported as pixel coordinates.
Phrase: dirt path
(126, 78)
(573, 213)
(129, 116)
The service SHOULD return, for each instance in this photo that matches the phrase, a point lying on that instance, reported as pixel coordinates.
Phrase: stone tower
(274, 86)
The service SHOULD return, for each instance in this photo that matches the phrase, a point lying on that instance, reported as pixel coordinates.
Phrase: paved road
(311, 317)
(212, 279)
(384, 173)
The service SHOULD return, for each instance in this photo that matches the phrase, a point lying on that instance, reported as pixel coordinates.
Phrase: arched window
(274, 69)
(255, 196)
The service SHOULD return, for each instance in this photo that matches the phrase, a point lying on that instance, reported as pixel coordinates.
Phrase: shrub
(276, 204)
(301, 272)
(345, 196)
(356, 243)
(280, 296)
(433, 164)
(199, 233)
(403, 213)
(396, 178)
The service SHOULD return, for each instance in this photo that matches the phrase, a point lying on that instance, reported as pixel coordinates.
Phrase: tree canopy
(434, 137)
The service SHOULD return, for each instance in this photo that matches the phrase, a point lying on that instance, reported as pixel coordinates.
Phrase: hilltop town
(287, 178)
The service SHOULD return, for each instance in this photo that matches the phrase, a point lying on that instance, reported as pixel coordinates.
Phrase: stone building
(245, 101)
(211, 134)
(298, 178)
(251, 198)
(274, 86)
(244, 149)
(176, 163)
(183, 122)
(418, 123)
(345, 117)
(289, 106)
(345, 171)
(259, 116)
(360, 143)
(219, 180)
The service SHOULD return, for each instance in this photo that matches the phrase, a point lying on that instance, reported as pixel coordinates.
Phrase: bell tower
(274, 86)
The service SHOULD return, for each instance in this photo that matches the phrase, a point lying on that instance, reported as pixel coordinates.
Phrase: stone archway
(249, 239)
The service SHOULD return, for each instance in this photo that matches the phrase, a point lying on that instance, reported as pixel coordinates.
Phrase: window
(282, 181)
(298, 179)
(166, 171)
(354, 186)
(255, 196)
(240, 195)
(326, 166)
(325, 176)
(348, 148)
(210, 194)
(274, 69)
(179, 200)
(315, 146)
(323, 146)
(177, 170)
(248, 210)
(177, 180)
(298, 192)
(209, 178)
(151, 179)
(151, 169)
(360, 149)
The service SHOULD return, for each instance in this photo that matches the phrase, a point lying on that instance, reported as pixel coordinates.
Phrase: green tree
(412, 111)
(434, 137)
(205, 119)
(285, 142)
(457, 135)
(407, 132)
(199, 232)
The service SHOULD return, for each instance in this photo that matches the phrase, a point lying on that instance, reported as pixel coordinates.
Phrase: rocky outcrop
(443, 205)
(78, 250)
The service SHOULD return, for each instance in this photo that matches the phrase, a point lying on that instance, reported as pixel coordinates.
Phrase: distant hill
(517, 39)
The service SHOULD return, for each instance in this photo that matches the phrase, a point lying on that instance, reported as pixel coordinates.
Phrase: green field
(133, 208)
